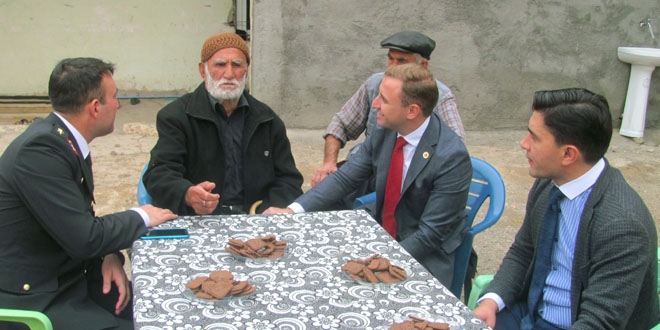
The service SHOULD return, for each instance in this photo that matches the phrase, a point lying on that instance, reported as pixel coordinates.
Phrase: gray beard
(215, 89)
(221, 95)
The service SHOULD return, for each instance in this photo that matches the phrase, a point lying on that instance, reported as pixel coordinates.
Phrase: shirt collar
(242, 102)
(80, 140)
(574, 188)
(415, 136)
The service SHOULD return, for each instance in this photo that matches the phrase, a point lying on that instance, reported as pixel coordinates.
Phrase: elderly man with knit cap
(220, 150)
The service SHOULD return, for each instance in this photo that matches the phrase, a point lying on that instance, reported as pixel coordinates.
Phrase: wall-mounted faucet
(647, 22)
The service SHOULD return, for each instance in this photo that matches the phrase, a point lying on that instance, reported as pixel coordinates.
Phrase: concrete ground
(119, 158)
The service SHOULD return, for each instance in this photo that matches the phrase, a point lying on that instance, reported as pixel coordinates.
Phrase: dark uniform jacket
(51, 244)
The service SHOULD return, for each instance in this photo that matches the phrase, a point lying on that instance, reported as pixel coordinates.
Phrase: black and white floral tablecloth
(305, 289)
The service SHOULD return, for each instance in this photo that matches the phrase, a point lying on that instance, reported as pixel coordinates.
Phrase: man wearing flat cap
(357, 115)
(220, 150)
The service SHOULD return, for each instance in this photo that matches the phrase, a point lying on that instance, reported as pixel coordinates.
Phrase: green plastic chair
(33, 319)
(482, 281)
(480, 284)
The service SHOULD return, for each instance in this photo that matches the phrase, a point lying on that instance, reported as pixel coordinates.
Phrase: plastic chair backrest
(364, 200)
(486, 183)
(480, 284)
(33, 319)
(143, 196)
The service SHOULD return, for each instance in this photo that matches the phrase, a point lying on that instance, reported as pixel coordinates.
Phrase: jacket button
(26, 287)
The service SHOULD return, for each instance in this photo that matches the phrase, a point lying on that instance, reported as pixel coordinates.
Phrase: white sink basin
(640, 55)
(642, 64)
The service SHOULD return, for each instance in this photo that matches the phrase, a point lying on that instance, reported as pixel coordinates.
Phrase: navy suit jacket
(51, 243)
(430, 215)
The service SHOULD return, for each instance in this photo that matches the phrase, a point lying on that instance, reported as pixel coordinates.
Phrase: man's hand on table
(277, 210)
(158, 215)
(201, 199)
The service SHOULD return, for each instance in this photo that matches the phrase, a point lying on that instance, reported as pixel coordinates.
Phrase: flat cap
(411, 42)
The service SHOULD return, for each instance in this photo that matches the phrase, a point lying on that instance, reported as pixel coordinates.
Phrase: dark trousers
(109, 300)
(516, 317)
(124, 320)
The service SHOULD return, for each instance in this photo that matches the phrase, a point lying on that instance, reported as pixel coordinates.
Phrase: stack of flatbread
(262, 247)
(218, 285)
(419, 324)
(374, 269)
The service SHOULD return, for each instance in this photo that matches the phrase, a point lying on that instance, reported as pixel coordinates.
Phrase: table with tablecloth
(304, 289)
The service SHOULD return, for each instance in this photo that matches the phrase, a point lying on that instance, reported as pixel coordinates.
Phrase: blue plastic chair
(365, 200)
(33, 319)
(486, 183)
(143, 196)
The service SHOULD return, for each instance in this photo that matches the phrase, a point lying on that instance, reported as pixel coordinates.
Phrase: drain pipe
(36, 99)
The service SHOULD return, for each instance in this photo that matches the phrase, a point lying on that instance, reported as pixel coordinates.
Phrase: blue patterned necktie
(543, 263)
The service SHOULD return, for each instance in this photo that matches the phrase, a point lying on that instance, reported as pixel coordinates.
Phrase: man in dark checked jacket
(601, 268)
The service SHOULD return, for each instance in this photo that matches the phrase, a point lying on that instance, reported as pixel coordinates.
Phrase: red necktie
(393, 187)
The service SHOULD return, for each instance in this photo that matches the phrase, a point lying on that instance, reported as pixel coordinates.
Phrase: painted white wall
(155, 45)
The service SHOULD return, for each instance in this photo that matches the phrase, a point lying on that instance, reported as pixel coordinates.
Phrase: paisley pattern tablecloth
(304, 289)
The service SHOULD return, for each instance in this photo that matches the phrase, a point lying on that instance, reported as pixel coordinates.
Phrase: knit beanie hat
(224, 40)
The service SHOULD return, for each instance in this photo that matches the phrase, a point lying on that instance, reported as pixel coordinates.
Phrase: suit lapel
(87, 175)
(384, 163)
(62, 131)
(421, 158)
(423, 153)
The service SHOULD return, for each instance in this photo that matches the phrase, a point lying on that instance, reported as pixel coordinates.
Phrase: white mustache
(222, 81)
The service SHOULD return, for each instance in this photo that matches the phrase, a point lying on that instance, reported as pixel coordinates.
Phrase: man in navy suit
(56, 255)
(429, 215)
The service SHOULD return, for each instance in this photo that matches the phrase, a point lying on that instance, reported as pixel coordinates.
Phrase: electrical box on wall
(242, 18)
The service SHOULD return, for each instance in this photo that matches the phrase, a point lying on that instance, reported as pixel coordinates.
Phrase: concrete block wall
(310, 56)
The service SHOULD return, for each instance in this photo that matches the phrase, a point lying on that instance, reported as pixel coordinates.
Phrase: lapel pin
(266, 153)
(59, 130)
(425, 154)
